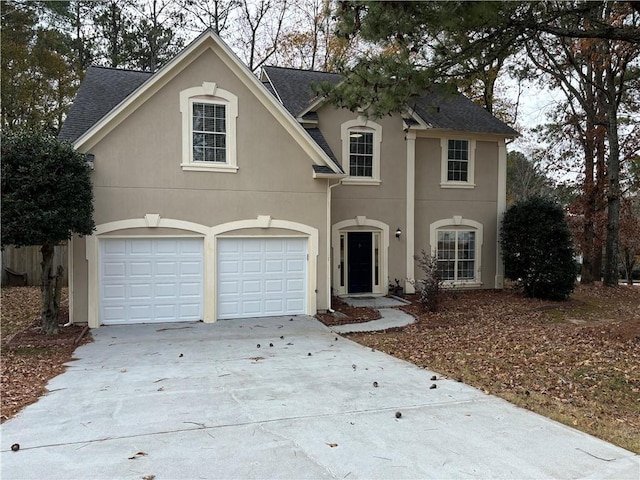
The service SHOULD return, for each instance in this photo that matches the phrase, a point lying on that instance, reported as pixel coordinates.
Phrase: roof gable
(88, 122)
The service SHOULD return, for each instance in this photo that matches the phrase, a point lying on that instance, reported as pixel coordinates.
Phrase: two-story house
(220, 196)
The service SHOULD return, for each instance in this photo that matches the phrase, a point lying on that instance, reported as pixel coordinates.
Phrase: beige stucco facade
(145, 187)
(137, 173)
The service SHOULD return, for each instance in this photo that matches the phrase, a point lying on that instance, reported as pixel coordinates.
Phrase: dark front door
(359, 254)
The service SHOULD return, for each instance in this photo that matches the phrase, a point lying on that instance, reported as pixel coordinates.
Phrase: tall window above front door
(360, 154)
(361, 151)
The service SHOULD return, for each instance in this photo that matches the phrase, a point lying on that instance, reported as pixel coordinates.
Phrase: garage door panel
(151, 280)
(294, 304)
(274, 286)
(140, 312)
(251, 247)
(257, 277)
(140, 269)
(166, 290)
(251, 308)
(187, 290)
(140, 291)
(229, 266)
(251, 286)
(253, 266)
(114, 292)
(274, 266)
(190, 268)
(189, 311)
(276, 245)
(115, 247)
(295, 285)
(114, 269)
(140, 247)
(167, 247)
(166, 268)
(165, 312)
(274, 306)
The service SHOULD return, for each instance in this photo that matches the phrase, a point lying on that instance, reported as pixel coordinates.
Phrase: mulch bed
(346, 314)
(29, 358)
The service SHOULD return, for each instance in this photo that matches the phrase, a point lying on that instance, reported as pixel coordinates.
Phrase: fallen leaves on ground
(577, 362)
(29, 358)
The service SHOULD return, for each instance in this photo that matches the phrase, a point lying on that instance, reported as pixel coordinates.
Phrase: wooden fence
(27, 260)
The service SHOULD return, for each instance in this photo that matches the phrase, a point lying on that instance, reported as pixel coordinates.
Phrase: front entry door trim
(377, 270)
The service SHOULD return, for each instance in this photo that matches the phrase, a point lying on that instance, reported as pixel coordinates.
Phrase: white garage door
(151, 280)
(261, 277)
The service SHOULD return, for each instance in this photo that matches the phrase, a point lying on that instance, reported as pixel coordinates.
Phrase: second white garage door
(261, 277)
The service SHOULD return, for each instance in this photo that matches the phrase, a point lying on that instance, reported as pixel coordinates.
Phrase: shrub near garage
(537, 249)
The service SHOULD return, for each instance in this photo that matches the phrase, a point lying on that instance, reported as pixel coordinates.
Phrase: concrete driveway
(202, 401)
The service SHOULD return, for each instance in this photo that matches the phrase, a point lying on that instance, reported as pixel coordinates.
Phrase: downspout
(329, 266)
(411, 206)
(501, 207)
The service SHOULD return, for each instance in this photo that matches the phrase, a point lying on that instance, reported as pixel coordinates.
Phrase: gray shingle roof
(295, 87)
(100, 91)
(317, 136)
(457, 112)
(453, 112)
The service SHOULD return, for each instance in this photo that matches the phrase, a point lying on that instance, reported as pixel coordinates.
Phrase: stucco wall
(434, 203)
(137, 171)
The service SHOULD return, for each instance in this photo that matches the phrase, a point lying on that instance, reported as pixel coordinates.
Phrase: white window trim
(208, 92)
(365, 125)
(361, 224)
(455, 223)
(444, 165)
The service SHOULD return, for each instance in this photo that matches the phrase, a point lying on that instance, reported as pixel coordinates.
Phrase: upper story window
(209, 132)
(458, 163)
(361, 141)
(209, 129)
(360, 154)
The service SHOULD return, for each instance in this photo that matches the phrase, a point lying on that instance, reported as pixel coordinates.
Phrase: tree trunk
(51, 289)
(613, 190)
(596, 262)
(588, 234)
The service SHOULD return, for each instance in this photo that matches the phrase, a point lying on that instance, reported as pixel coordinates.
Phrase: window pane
(209, 132)
(456, 252)
(458, 161)
(361, 154)
(445, 254)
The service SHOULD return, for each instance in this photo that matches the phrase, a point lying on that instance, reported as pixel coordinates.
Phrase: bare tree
(260, 25)
(209, 14)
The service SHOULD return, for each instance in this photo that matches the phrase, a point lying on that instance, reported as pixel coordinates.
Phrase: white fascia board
(206, 40)
(266, 76)
(330, 175)
(447, 132)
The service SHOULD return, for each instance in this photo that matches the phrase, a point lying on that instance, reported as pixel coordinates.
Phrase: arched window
(457, 244)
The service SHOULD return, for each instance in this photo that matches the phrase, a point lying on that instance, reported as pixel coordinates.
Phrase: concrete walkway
(390, 315)
(202, 401)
